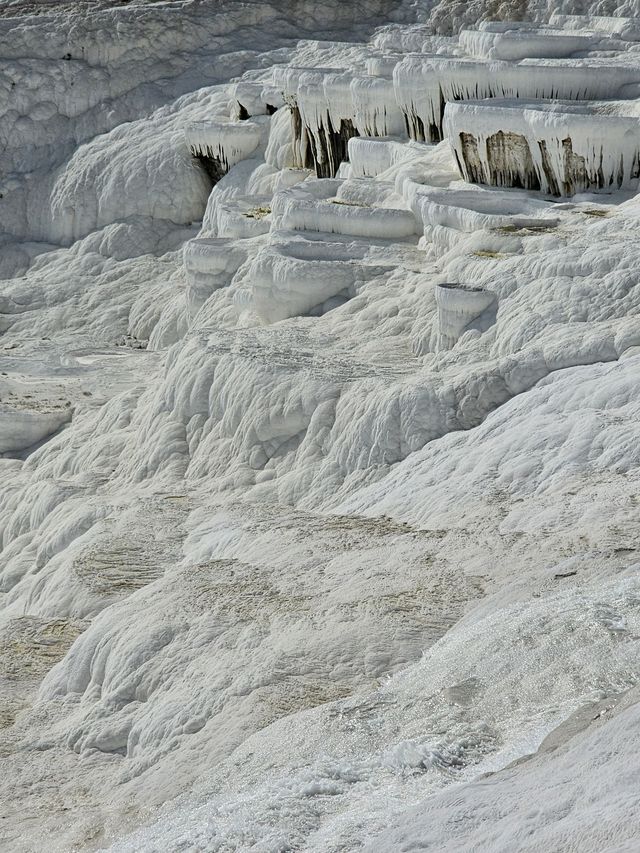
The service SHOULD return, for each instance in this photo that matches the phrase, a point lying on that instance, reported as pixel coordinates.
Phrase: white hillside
(319, 426)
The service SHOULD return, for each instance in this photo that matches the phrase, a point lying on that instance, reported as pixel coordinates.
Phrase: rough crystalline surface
(319, 426)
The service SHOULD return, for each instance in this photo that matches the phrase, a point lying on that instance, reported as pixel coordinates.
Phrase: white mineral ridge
(565, 148)
(318, 454)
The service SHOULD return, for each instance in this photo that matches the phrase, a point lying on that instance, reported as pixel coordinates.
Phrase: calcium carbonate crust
(319, 426)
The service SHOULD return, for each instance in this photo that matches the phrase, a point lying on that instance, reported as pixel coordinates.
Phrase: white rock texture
(319, 456)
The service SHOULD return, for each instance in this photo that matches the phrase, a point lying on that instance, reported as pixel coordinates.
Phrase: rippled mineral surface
(320, 426)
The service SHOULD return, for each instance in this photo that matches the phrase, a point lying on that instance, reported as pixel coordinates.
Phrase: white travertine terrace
(476, 209)
(301, 541)
(295, 278)
(402, 38)
(523, 42)
(458, 306)
(298, 210)
(559, 148)
(508, 26)
(294, 198)
(448, 214)
(22, 428)
(382, 64)
(424, 85)
(288, 79)
(375, 110)
(239, 217)
(359, 191)
(330, 107)
(327, 113)
(223, 143)
(627, 29)
(254, 99)
(210, 263)
(370, 157)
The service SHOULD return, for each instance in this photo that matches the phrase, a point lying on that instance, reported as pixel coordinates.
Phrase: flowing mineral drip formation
(424, 85)
(559, 148)
(220, 145)
(458, 307)
(319, 426)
